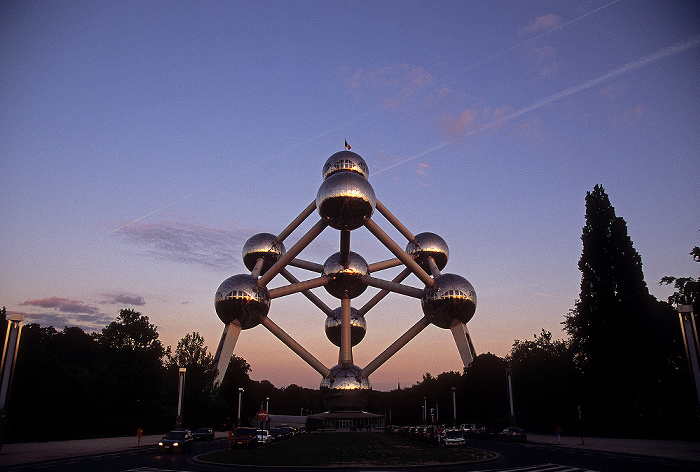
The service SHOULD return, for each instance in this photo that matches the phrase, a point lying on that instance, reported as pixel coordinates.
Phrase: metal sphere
(345, 389)
(358, 327)
(345, 199)
(428, 245)
(345, 280)
(263, 245)
(345, 161)
(239, 298)
(451, 298)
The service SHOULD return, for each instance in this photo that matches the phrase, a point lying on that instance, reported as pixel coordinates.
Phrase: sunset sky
(142, 143)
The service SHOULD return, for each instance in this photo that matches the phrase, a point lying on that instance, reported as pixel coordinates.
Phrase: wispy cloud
(396, 85)
(187, 243)
(122, 299)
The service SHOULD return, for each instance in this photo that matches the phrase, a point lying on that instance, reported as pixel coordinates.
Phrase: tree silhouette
(625, 342)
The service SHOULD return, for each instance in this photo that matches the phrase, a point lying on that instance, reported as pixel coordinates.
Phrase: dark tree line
(622, 368)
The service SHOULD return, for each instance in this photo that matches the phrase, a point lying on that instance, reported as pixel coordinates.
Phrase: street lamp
(425, 411)
(180, 394)
(454, 407)
(509, 378)
(240, 396)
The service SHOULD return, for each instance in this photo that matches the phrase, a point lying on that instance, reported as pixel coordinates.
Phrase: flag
(347, 146)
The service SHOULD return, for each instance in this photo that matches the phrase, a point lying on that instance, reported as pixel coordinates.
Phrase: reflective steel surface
(358, 327)
(345, 161)
(263, 245)
(345, 199)
(240, 298)
(451, 298)
(345, 389)
(345, 280)
(428, 244)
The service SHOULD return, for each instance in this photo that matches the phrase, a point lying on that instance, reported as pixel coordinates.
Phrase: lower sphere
(345, 389)
(240, 298)
(358, 327)
(450, 298)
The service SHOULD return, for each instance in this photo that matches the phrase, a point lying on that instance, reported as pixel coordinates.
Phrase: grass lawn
(358, 449)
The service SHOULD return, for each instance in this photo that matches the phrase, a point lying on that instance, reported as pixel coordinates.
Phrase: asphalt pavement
(23, 453)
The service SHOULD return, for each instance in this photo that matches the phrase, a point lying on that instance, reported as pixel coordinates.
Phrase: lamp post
(180, 394)
(425, 411)
(454, 406)
(240, 396)
(509, 378)
(9, 358)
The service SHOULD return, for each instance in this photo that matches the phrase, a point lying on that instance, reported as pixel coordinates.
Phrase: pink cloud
(422, 168)
(628, 117)
(456, 127)
(542, 23)
(62, 304)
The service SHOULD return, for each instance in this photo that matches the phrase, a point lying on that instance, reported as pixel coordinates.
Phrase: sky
(144, 142)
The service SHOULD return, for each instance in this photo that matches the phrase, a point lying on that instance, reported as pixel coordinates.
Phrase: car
(203, 434)
(264, 436)
(178, 440)
(511, 433)
(245, 437)
(452, 437)
(471, 430)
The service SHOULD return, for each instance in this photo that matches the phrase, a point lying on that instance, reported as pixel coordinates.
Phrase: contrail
(692, 42)
(347, 123)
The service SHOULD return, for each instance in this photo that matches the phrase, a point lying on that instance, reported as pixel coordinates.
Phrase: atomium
(345, 201)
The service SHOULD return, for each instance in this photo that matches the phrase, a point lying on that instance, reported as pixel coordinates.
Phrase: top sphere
(345, 161)
(428, 245)
(263, 245)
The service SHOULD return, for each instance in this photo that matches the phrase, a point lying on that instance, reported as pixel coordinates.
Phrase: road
(527, 457)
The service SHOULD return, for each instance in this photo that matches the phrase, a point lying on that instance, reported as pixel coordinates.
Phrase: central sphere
(451, 298)
(345, 161)
(239, 298)
(263, 245)
(345, 280)
(345, 389)
(358, 327)
(345, 199)
(427, 245)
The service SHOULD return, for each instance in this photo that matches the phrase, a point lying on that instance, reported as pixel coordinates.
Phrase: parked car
(246, 437)
(471, 430)
(286, 432)
(203, 434)
(512, 433)
(264, 437)
(452, 437)
(178, 440)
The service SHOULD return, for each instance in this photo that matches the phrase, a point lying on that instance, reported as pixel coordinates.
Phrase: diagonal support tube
(398, 252)
(381, 265)
(307, 293)
(293, 252)
(394, 221)
(393, 286)
(298, 287)
(295, 224)
(383, 293)
(395, 346)
(294, 346)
